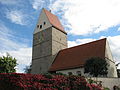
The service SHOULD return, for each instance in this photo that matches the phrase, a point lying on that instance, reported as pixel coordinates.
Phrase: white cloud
(17, 17)
(8, 39)
(72, 43)
(2, 54)
(88, 16)
(38, 4)
(19, 50)
(79, 42)
(23, 55)
(119, 29)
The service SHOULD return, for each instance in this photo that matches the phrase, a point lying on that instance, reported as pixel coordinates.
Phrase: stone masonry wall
(45, 48)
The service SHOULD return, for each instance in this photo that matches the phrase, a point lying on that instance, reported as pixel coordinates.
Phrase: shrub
(16, 81)
(105, 88)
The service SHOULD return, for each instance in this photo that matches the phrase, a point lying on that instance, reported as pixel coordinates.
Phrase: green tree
(27, 69)
(7, 64)
(96, 66)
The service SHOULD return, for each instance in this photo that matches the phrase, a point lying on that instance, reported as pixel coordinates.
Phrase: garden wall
(108, 82)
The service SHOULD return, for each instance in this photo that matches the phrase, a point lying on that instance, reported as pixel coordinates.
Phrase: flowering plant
(17, 81)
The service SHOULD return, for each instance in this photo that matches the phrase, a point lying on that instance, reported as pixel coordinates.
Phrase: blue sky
(83, 20)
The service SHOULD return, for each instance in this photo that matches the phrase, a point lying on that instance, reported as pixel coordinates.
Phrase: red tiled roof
(54, 20)
(77, 56)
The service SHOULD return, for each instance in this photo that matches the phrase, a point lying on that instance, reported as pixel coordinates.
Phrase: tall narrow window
(40, 26)
(44, 23)
(37, 26)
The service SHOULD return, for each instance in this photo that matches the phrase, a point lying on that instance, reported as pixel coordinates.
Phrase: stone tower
(48, 39)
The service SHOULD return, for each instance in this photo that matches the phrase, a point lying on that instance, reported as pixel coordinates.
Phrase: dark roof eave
(73, 67)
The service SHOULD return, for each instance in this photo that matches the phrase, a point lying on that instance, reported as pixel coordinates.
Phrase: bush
(105, 88)
(116, 87)
(16, 81)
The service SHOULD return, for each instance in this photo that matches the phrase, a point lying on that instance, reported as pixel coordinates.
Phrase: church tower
(48, 39)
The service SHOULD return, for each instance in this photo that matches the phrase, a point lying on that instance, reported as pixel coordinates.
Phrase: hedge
(18, 81)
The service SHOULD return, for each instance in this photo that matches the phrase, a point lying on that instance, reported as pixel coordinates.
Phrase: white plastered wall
(112, 72)
(74, 71)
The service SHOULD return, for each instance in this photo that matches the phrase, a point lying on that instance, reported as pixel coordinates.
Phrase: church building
(51, 54)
